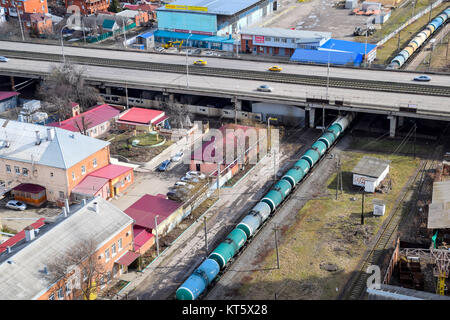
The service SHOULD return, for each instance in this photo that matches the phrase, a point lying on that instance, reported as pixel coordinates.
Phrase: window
(276, 39)
(128, 178)
(85, 274)
(68, 288)
(113, 250)
(51, 174)
(119, 243)
(73, 175)
(52, 297)
(283, 40)
(60, 294)
(83, 169)
(94, 162)
(25, 171)
(8, 168)
(106, 255)
(17, 169)
(61, 194)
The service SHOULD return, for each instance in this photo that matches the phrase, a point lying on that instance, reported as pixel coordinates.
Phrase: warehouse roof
(439, 209)
(8, 94)
(371, 167)
(222, 7)
(22, 275)
(286, 33)
(325, 56)
(348, 46)
(57, 152)
(140, 116)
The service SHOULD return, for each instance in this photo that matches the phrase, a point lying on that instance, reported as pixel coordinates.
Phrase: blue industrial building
(339, 52)
(209, 23)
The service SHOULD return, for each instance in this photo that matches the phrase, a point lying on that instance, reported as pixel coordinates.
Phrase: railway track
(358, 286)
(372, 85)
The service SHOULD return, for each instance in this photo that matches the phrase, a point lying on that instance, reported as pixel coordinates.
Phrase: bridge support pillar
(393, 125)
(312, 117)
(108, 90)
(238, 105)
(171, 98)
(12, 84)
(400, 121)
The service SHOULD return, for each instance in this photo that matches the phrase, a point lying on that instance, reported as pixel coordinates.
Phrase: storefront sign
(259, 39)
(188, 8)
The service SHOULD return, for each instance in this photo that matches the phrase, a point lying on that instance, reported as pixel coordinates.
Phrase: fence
(108, 34)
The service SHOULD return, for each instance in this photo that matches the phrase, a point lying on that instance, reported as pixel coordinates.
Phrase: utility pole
(206, 239)
(276, 246)
(338, 176)
(20, 22)
(398, 40)
(362, 208)
(218, 179)
(415, 130)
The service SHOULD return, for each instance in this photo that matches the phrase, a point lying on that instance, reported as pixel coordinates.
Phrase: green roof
(108, 24)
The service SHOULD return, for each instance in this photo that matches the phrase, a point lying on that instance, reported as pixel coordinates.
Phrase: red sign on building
(259, 39)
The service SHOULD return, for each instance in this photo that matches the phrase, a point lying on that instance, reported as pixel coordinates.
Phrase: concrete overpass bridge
(392, 93)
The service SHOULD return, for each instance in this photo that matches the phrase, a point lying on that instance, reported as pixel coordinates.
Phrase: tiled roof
(92, 118)
(58, 152)
(90, 185)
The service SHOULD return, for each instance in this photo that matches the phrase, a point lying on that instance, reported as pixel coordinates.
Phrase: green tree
(114, 6)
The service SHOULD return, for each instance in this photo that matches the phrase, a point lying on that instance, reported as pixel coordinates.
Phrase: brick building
(24, 267)
(45, 156)
(24, 6)
(37, 23)
(89, 6)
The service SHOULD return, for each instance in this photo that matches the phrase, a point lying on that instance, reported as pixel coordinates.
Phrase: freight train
(419, 39)
(204, 275)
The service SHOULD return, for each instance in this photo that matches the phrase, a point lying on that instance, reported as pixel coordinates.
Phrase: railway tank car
(203, 276)
(419, 39)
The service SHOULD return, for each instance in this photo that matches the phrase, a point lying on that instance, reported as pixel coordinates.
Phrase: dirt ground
(316, 15)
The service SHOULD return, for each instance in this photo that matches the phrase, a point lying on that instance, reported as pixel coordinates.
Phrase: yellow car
(275, 68)
(200, 62)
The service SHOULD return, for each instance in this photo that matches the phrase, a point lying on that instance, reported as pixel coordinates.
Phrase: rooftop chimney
(9, 249)
(50, 134)
(29, 234)
(96, 207)
(38, 137)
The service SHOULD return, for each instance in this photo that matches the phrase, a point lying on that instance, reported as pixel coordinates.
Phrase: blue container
(328, 138)
(319, 146)
(293, 176)
(198, 280)
(404, 54)
(283, 187)
(312, 156)
(228, 248)
(273, 198)
(250, 223)
(303, 165)
(400, 60)
(336, 129)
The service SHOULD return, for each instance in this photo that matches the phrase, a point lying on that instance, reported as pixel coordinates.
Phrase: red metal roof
(141, 115)
(141, 236)
(161, 120)
(8, 94)
(143, 7)
(110, 171)
(20, 235)
(90, 185)
(147, 207)
(29, 187)
(128, 258)
(93, 117)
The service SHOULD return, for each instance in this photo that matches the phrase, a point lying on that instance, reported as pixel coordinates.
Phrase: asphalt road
(360, 74)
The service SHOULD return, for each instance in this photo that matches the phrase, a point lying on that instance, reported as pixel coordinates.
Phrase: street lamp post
(268, 130)
(187, 66)
(62, 44)
(20, 21)
(156, 233)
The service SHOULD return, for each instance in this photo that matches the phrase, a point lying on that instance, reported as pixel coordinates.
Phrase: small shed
(439, 209)
(369, 172)
(379, 207)
(147, 39)
(351, 4)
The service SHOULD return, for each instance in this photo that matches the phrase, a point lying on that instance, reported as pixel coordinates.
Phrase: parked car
(16, 205)
(275, 68)
(197, 51)
(177, 157)
(195, 174)
(264, 88)
(189, 179)
(209, 53)
(164, 165)
(200, 62)
(159, 49)
(3, 59)
(422, 78)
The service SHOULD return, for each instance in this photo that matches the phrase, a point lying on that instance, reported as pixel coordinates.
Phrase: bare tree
(80, 266)
(178, 114)
(66, 84)
(83, 125)
(11, 30)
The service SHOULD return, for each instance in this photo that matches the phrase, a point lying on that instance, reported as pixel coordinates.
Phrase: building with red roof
(141, 119)
(108, 182)
(8, 100)
(94, 123)
(148, 210)
(30, 193)
(205, 158)
(18, 237)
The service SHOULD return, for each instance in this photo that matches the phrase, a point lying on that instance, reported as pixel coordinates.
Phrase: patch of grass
(390, 145)
(326, 231)
(8, 230)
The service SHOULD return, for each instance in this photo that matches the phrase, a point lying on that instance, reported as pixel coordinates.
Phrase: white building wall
(369, 183)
